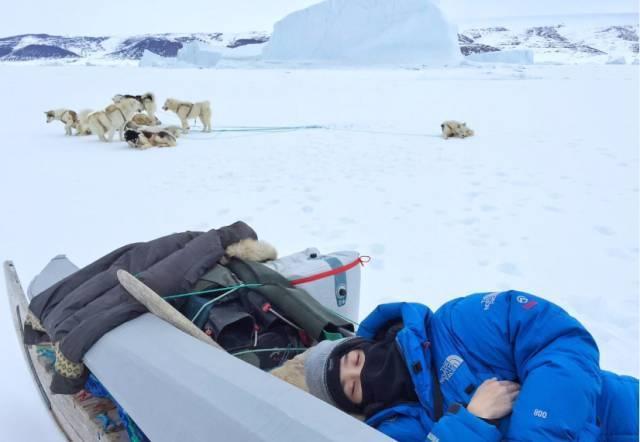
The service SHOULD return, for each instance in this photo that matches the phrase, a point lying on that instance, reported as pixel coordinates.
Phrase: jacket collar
(414, 343)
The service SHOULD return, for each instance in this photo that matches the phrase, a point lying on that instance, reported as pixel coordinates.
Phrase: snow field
(543, 199)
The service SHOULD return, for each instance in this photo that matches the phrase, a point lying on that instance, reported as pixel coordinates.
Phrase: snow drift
(616, 60)
(193, 54)
(366, 32)
(516, 56)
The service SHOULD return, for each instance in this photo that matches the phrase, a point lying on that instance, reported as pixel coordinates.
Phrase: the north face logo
(449, 367)
(488, 300)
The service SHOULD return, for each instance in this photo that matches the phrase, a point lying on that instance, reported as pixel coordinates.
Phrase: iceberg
(193, 54)
(366, 32)
(199, 55)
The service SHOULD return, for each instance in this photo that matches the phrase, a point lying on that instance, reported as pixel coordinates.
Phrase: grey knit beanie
(315, 369)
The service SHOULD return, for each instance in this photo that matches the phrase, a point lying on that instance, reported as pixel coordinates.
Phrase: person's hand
(494, 399)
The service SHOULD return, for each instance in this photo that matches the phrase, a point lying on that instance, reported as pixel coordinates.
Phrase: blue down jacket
(512, 336)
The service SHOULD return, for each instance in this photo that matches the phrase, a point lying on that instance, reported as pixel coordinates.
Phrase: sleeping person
(486, 367)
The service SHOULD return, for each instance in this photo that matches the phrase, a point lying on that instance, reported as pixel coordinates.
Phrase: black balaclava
(333, 373)
(385, 378)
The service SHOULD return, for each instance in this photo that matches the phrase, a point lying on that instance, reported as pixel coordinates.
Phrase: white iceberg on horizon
(366, 32)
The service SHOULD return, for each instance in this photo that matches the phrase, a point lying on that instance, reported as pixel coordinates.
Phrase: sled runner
(177, 387)
(79, 418)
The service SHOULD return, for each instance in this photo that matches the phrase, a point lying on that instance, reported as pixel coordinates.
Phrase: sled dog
(142, 139)
(82, 127)
(148, 101)
(140, 120)
(453, 128)
(186, 110)
(66, 116)
(114, 117)
(176, 131)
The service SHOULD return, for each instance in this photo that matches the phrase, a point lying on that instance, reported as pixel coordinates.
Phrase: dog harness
(104, 128)
(190, 106)
(121, 113)
(74, 116)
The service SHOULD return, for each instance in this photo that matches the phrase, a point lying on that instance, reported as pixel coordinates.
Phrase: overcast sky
(126, 17)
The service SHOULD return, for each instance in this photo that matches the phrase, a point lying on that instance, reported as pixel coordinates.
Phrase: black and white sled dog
(113, 117)
(147, 100)
(144, 139)
(186, 110)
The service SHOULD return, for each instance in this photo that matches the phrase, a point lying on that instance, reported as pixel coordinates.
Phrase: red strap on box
(360, 260)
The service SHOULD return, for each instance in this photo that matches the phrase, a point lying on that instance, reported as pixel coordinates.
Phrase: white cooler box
(333, 279)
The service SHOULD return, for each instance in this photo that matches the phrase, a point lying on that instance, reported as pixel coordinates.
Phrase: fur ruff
(251, 250)
(292, 372)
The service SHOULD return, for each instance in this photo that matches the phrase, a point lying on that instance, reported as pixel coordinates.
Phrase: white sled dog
(142, 139)
(148, 101)
(186, 110)
(82, 127)
(453, 128)
(67, 116)
(114, 117)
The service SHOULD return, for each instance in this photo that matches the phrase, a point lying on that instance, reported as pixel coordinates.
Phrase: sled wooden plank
(73, 418)
(161, 308)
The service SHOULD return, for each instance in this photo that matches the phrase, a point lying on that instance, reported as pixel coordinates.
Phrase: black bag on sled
(300, 307)
(262, 323)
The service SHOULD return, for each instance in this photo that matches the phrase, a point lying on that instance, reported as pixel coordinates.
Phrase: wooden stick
(161, 308)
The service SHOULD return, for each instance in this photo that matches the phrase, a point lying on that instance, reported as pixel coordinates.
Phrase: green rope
(262, 350)
(202, 292)
(267, 129)
(214, 300)
(382, 132)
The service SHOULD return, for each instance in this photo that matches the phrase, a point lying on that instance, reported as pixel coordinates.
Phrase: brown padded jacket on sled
(77, 311)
